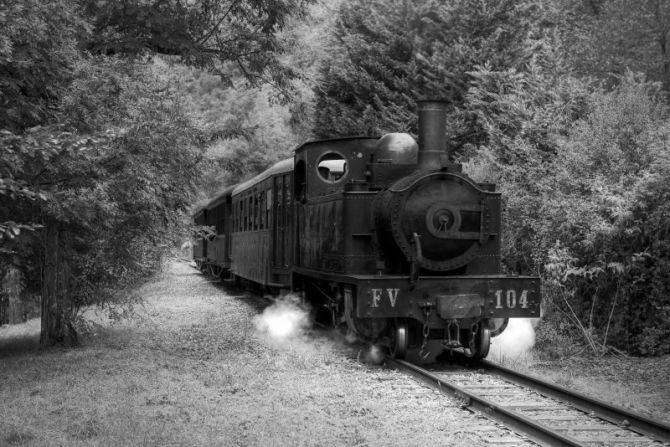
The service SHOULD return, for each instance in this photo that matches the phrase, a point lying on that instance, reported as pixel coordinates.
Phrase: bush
(585, 177)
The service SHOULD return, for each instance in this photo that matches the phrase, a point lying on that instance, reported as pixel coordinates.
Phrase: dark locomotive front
(384, 235)
(397, 242)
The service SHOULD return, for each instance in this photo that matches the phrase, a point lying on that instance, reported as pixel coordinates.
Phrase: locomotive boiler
(382, 234)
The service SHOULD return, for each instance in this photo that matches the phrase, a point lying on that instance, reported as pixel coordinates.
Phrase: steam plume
(283, 321)
(515, 341)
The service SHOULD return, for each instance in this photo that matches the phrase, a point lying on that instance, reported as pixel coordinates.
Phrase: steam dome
(396, 148)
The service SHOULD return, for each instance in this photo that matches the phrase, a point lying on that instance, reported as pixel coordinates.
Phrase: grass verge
(190, 369)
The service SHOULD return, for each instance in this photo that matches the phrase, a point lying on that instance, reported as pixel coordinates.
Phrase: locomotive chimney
(432, 134)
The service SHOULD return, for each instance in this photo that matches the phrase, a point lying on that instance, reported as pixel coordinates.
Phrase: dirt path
(192, 369)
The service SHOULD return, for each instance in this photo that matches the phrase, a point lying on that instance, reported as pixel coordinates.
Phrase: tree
(205, 33)
(389, 54)
(609, 184)
(37, 55)
(99, 158)
(113, 196)
(583, 172)
(606, 38)
(38, 47)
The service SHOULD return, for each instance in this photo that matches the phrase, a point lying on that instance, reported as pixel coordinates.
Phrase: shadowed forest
(116, 117)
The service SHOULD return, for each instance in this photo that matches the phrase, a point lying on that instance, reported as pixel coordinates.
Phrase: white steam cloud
(372, 354)
(283, 321)
(515, 341)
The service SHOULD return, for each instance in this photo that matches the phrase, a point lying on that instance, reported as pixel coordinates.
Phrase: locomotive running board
(344, 277)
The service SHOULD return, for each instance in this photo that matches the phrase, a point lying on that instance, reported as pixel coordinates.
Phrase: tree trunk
(57, 327)
(10, 293)
(11, 306)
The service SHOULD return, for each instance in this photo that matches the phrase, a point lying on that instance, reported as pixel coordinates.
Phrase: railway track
(544, 412)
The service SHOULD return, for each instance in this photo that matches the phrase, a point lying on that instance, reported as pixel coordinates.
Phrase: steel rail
(638, 423)
(536, 432)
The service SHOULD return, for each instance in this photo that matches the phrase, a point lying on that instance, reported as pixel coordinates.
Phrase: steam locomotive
(383, 234)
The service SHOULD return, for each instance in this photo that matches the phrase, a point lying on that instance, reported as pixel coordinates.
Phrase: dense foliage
(252, 130)
(607, 37)
(389, 54)
(577, 175)
(100, 159)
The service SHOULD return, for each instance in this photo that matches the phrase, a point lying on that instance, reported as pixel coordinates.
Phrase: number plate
(513, 301)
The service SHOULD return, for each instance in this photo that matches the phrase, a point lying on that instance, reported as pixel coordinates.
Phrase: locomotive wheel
(399, 341)
(497, 326)
(480, 343)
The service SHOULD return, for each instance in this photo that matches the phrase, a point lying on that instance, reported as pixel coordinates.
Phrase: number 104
(510, 299)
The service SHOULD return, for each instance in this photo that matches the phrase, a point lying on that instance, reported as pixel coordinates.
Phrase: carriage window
(250, 212)
(246, 214)
(261, 209)
(280, 193)
(257, 207)
(332, 167)
(220, 220)
(261, 214)
(287, 188)
(268, 208)
(256, 213)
